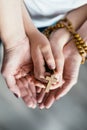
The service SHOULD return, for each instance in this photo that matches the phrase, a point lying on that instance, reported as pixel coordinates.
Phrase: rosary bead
(79, 39)
(81, 42)
(77, 43)
(76, 36)
(81, 53)
(79, 46)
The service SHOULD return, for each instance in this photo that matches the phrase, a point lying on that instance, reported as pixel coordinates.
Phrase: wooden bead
(85, 47)
(62, 26)
(81, 52)
(58, 25)
(81, 42)
(76, 36)
(86, 51)
(79, 47)
(79, 39)
(77, 43)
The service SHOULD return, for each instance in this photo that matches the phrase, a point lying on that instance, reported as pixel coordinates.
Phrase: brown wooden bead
(79, 47)
(79, 39)
(62, 26)
(58, 25)
(81, 52)
(77, 36)
(77, 43)
(81, 42)
(85, 47)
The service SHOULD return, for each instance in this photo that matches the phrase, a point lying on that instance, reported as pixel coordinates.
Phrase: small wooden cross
(51, 80)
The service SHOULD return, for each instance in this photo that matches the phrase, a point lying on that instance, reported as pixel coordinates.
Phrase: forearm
(27, 20)
(11, 23)
(83, 31)
(78, 16)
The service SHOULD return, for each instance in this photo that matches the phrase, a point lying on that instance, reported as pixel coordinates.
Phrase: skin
(16, 60)
(58, 41)
(16, 67)
(72, 59)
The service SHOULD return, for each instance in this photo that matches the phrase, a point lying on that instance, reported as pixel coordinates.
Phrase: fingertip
(41, 106)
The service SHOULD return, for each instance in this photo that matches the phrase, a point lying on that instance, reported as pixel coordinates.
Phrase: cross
(51, 80)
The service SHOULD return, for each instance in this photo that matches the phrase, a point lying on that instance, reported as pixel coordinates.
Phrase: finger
(29, 87)
(40, 85)
(71, 71)
(59, 60)
(11, 83)
(48, 56)
(28, 101)
(50, 100)
(32, 89)
(57, 85)
(23, 90)
(34, 103)
(29, 98)
(41, 104)
(40, 96)
(36, 82)
(38, 90)
(38, 62)
(64, 89)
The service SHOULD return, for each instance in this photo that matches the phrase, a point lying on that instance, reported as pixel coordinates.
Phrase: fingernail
(34, 106)
(42, 77)
(41, 106)
(52, 66)
(15, 95)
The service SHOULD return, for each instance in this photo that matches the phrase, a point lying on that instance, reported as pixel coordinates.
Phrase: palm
(16, 64)
(72, 61)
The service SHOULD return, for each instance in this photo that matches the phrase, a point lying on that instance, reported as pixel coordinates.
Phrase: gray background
(69, 113)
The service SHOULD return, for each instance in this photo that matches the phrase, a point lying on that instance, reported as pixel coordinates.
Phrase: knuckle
(46, 49)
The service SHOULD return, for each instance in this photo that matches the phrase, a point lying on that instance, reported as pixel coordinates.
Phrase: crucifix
(51, 80)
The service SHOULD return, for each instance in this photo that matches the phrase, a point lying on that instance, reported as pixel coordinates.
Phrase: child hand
(41, 52)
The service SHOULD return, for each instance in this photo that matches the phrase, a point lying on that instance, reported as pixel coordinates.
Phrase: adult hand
(69, 64)
(16, 60)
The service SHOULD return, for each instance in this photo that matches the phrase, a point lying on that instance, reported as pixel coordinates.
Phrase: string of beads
(80, 44)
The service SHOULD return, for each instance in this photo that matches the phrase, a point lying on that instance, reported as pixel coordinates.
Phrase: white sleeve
(47, 12)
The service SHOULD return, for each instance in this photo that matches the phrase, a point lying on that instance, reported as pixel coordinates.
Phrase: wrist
(13, 41)
(77, 16)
